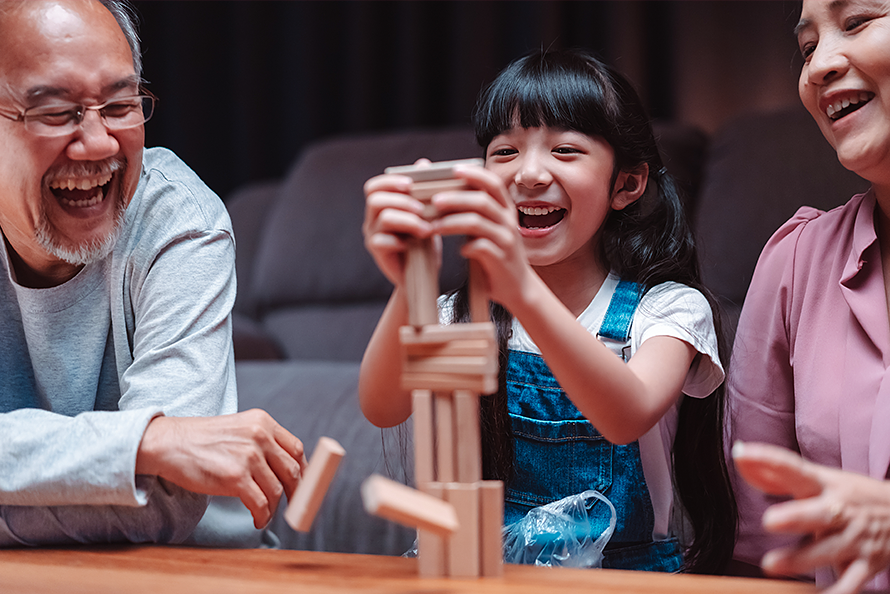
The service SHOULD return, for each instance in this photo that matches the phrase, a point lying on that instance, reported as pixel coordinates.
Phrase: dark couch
(310, 295)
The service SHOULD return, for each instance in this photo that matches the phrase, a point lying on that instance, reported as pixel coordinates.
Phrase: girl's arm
(623, 401)
(391, 216)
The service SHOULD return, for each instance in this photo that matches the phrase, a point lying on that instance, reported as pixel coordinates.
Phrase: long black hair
(648, 242)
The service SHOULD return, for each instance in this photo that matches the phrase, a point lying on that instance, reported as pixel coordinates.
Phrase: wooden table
(178, 570)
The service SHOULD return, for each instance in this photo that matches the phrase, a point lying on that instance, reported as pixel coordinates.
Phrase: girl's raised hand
(487, 216)
(391, 217)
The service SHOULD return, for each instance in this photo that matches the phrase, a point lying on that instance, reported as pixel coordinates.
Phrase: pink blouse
(811, 354)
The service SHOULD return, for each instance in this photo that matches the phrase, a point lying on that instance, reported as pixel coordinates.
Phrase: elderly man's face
(62, 198)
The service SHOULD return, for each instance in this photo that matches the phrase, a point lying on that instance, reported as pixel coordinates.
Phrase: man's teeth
(80, 184)
(96, 199)
(537, 211)
(845, 103)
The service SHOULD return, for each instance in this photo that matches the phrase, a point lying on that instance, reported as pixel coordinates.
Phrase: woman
(813, 343)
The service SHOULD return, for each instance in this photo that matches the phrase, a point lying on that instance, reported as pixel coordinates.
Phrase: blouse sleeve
(760, 386)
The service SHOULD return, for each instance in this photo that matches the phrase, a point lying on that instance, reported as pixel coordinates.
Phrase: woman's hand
(844, 517)
(392, 216)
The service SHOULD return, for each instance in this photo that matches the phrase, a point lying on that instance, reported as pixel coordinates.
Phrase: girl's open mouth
(540, 217)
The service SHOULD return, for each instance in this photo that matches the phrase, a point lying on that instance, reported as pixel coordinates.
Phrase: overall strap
(625, 299)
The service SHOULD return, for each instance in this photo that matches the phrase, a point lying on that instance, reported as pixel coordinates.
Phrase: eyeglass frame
(81, 113)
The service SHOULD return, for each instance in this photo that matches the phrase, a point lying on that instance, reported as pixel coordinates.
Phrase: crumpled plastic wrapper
(571, 532)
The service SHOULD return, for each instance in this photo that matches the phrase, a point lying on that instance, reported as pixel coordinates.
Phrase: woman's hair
(648, 242)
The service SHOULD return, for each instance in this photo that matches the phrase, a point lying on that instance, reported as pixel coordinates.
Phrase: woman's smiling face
(845, 80)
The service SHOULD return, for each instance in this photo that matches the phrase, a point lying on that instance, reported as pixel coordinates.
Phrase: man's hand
(844, 517)
(246, 455)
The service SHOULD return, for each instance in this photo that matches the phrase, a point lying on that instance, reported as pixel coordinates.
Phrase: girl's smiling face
(845, 80)
(561, 183)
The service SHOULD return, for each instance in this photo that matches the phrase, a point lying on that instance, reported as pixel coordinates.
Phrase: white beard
(91, 251)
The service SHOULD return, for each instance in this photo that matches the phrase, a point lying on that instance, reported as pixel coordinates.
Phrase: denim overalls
(559, 453)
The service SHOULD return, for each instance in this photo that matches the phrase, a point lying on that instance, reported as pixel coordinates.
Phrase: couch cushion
(312, 249)
(761, 168)
(248, 208)
(320, 399)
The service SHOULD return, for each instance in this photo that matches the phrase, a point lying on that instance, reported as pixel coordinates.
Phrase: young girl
(610, 365)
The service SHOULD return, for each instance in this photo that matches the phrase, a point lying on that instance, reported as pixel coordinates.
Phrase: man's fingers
(255, 500)
(775, 470)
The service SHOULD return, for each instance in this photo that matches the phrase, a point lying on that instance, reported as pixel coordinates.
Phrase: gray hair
(126, 18)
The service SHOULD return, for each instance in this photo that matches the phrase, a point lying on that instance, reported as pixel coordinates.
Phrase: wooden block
(425, 190)
(435, 334)
(422, 283)
(458, 365)
(424, 443)
(479, 308)
(491, 522)
(409, 507)
(483, 384)
(444, 437)
(317, 478)
(463, 546)
(453, 348)
(468, 436)
(434, 171)
(432, 547)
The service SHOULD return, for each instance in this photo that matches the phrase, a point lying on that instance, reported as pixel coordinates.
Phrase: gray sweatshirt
(85, 366)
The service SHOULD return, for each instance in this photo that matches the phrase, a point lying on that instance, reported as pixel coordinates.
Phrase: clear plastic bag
(562, 533)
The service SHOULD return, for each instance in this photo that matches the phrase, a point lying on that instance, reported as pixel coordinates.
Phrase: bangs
(547, 93)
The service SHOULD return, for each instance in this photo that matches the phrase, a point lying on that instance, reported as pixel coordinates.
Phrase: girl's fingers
(388, 183)
(474, 225)
(487, 181)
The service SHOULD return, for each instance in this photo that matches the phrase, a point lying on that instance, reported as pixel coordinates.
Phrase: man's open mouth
(540, 217)
(79, 192)
(848, 105)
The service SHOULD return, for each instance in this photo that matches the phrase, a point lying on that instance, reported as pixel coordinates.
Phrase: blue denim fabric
(559, 453)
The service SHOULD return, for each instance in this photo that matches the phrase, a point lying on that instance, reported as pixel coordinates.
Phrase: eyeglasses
(61, 119)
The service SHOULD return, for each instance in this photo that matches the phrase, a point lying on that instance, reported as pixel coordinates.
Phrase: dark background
(245, 85)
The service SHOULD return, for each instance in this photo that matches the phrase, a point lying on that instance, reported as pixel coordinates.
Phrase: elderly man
(116, 285)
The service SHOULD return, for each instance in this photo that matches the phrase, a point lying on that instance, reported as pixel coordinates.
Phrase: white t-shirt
(668, 309)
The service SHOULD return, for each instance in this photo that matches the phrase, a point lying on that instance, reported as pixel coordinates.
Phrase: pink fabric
(811, 354)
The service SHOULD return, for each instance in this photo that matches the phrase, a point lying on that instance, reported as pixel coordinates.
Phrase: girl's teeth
(537, 210)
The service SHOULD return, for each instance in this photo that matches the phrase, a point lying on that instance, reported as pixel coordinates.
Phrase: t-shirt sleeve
(675, 310)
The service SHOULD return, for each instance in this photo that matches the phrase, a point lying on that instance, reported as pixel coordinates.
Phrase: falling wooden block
(491, 521)
(432, 548)
(424, 440)
(463, 546)
(467, 436)
(409, 507)
(317, 478)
